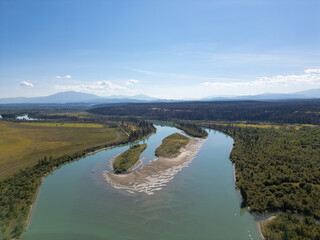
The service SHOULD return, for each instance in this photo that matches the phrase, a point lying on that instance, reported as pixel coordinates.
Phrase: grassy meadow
(171, 145)
(22, 144)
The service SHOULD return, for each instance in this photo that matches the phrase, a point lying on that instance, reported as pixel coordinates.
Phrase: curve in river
(201, 202)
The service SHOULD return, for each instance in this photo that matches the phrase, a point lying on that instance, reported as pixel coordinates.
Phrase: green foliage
(144, 128)
(293, 227)
(298, 111)
(18, 191)
(279, 170)
(127, 159)
(171, 145)
(192, 130)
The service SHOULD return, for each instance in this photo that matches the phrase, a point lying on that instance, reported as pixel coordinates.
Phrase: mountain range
(75, 97)
(79, 97)
(307, 94)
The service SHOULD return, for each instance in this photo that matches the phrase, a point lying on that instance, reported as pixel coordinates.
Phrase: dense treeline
(288, 226)
(300, 111)
(143, 128)
(191, 129)
(18, 192)
(279, 170)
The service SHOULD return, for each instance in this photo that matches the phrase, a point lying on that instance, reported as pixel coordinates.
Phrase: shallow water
(201, 202)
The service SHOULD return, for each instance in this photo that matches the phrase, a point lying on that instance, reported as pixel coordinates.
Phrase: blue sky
(167, 48)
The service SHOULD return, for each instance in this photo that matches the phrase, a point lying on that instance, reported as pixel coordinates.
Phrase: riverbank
(261, 225)
(154, 176)
(74, 157)
(37, 192)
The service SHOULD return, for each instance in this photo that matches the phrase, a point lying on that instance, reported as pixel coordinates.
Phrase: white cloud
(26, 84)
(66, 77)
(132, 81)
(312, 70)
(311, 77)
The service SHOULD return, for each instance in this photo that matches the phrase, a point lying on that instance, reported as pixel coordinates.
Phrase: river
(76, 203)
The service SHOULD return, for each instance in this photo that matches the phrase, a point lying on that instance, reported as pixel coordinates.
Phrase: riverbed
(200, 202)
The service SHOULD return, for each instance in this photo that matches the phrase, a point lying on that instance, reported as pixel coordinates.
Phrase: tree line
(279, 170)
(299, 111)
(191, 129)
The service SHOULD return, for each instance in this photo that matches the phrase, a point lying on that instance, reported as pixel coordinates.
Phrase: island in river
(175, 152)
(126, 161)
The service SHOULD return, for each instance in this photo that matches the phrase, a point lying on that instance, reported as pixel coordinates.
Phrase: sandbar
(155, 175)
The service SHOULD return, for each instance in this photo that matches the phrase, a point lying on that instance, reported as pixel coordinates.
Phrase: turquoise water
(201, 202)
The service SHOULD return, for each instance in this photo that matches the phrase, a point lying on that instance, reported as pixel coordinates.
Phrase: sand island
(175, 152)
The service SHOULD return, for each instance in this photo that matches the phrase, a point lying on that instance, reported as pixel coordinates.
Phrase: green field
(23, 144)
(55, 124)
(31, 150)
(171, 145)
(127, 159)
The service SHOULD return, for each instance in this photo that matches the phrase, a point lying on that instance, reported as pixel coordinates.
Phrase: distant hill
(311, 93)
(136, 97)
(62, 97)
(76, 97)
(89, 99)
(307, 94)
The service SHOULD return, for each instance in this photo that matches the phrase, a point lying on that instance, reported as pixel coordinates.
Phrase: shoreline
(46, 175)
(261, 226)
(155, 175)
(28, 220)
(234, 173)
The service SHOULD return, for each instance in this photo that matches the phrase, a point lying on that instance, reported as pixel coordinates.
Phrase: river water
(76, 203)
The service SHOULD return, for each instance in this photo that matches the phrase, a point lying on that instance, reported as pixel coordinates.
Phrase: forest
(298, 111)
(191, 129)
(279, 170)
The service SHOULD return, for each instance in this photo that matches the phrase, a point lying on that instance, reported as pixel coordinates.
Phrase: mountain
(307, 94)
(62, 97)
(136, 97)
(77, 97)
(312, 93)
(273, 96)
(86, 98)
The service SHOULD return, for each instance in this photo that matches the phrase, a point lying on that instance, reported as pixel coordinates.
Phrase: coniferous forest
(295, 111)
(278, 170)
